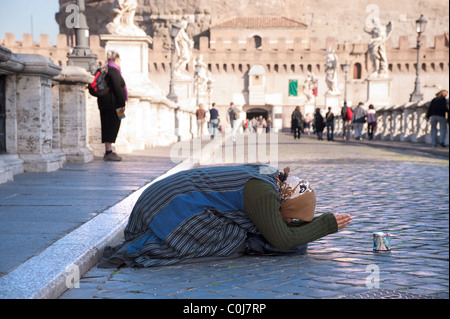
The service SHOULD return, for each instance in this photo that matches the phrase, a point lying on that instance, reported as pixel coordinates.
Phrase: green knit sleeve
(262, 203)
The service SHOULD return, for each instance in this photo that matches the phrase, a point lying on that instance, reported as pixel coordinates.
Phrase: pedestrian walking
(269, 125)
(346, 114)
(112, 104)
(358, 120)
(371, 122)
(213, 121)
(249, 126)
(217, 212)
(436, 113)
(254, 124)
(297, 122)
(201, 115)
(319, 124)
(261, 124)
(229, 114)
(307, 124)
(235, 119)
(329, 119)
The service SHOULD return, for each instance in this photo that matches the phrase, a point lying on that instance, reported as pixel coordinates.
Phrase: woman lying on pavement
(221, 212)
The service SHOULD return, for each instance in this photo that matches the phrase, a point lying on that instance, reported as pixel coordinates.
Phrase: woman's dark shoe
(113, 157)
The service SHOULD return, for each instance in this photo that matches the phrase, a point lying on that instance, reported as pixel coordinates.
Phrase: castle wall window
(258, 41)
(357, 71)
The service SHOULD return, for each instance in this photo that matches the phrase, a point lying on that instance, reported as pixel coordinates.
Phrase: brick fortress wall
(229, 59)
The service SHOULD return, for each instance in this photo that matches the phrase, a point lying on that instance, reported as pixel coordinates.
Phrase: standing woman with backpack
(112, 104)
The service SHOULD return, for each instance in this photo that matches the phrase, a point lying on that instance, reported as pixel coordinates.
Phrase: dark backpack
(99, 87)
(235, 113)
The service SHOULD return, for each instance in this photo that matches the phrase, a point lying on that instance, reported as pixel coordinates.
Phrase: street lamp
(420, 28)
(346, 67)
(210, 87)
(82, 55)
(198, 68)
(176, 27)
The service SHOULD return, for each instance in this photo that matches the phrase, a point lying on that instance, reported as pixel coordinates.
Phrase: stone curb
(58, 267)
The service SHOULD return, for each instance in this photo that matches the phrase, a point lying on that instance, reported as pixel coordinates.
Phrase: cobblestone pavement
(403, 193)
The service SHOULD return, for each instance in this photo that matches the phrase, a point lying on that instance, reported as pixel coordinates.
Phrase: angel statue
(183, 47)
(308, 86)
(123, 23)
(331, 68)
(377, 47)
(203, 75)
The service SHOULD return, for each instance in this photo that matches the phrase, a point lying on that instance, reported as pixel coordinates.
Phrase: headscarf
(298, 199)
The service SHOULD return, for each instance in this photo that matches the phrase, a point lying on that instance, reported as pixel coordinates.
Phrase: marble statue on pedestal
(183, 47)
(203, 76)
(123, 23)
(377, 47)
(331, 71)
(308, 86)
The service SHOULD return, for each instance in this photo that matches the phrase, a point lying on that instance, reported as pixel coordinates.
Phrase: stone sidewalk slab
(54, 225)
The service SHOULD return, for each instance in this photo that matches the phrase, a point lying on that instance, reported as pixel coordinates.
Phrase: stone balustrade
(50, 118)
(405, 123)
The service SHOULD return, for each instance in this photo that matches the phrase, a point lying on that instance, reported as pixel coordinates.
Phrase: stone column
(397, 121)
(10, 163)
(34, 114)
(72, 113)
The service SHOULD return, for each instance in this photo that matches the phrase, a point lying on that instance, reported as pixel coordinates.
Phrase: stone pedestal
(133, 51)
(34, 115)
(379, 91)
(184, 91)
(72, 113)
(333, 100)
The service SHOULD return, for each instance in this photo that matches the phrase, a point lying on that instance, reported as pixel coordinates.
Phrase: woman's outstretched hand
(342, 220)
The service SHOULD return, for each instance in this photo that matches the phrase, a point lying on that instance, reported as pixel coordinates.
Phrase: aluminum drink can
(381, 242)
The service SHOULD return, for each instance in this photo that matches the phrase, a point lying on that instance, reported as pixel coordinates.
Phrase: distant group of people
(211, 117)
(257, 125)
(354, 119)
(233, 116)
